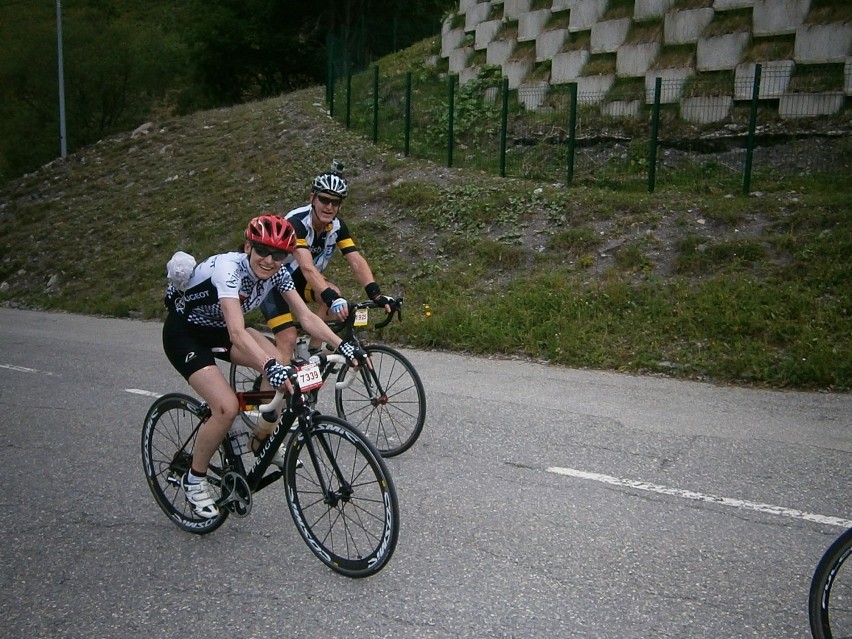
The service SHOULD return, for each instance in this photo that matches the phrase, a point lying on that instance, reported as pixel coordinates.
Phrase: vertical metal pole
(451, 96)
(407, 113)
(752, 124)
(504, 125)
(572, 131)
(348, 94)
(63, 142)
(655, 129)
(375, 104)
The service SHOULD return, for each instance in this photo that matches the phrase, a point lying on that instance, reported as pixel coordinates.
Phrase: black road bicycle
(830, 598)
(338, 490)
(386, 402)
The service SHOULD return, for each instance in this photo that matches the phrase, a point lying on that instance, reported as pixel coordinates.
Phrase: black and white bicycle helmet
(331, 181)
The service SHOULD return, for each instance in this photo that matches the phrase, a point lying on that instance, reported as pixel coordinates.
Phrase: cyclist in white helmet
(319, 231)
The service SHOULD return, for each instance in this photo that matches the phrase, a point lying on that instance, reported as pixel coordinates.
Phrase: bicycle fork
(323, 472)
(378, 396)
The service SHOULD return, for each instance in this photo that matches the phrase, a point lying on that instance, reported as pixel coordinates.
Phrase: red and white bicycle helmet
(272, 230)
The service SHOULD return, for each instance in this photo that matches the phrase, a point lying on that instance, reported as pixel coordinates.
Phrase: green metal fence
(631, 135)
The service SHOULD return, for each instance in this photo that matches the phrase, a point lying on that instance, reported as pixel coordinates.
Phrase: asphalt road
(539, 502)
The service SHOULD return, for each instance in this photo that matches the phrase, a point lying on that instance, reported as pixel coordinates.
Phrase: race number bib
(362, 316)
(309, 376)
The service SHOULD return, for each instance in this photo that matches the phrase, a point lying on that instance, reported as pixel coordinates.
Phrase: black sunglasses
(329, 201)
(263, 251)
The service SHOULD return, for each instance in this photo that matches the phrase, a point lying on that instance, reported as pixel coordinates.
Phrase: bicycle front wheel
(830, 599)
(341, 497)
(391, 416)
(168, 436)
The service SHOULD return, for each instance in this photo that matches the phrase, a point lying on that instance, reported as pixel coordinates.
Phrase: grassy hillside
(714, 286)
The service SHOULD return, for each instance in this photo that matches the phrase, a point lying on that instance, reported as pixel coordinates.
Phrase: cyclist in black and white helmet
(319, 231)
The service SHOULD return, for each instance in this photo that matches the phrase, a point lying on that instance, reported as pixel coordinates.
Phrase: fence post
(572, 131)
(375, 104)
(752, 124)
(504, 125)
(331, 82)
(655, 132)
(407, 111)
(451, 93)
(348, 95)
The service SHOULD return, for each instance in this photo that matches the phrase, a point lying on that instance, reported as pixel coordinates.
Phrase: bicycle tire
(393, 424)
(353, 528)
(168, 435)
(830, 596)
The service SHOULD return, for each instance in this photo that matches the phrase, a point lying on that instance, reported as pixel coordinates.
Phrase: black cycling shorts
(276, 311)
(190, 348)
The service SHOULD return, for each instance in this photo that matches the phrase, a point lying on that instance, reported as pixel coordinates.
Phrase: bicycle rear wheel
(344, 505)
(393, 420)
(168, 437)
(830, 598)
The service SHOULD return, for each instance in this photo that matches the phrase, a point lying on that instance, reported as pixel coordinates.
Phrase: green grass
(692, 281)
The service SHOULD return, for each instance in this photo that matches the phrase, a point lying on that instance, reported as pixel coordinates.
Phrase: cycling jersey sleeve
(226, 275)
(345, 241)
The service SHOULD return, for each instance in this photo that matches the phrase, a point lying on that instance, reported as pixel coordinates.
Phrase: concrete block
(566, 67)
(447, 24)
(585, 14)
(725, 5)
(465, 5)
(608, 35)
(685, 27)
(804, 105)
(467, 74)
(451, 40)
(821, 43)
(592, 89)
(648, 9)
(721, 52)
(476, 14)
(517, 71)
(633, 60)
(498, 51)
(774, 78)
(459, 58)
(531, 24)
(512, 9)
(704, 110)
(490, 96)
(671, 85)
(485, 32)
(532, 94)
(622, 108)
(549, 43)
(562, 5)
(775, 17)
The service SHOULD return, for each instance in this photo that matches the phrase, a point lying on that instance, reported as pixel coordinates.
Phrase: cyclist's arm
(315, 278)
(362, 271)
(241, 339)
(309, 321)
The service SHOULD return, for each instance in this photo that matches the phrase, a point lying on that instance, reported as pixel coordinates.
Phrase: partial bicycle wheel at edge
(830, 598)
(344, 505)
(168, 436)
(394, 420)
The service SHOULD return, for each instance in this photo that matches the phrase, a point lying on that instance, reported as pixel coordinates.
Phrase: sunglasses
(264, 251)
(329, 201)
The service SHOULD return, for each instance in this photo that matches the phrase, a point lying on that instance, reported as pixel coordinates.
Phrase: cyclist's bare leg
(263, 428)
(285, 343)
(211, 385)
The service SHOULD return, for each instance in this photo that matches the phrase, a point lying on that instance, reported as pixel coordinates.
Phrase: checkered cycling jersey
(321, 245)
(220, 276)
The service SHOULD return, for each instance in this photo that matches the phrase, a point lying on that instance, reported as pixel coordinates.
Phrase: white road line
(23, 369)
(138, 391)
(688, 494)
